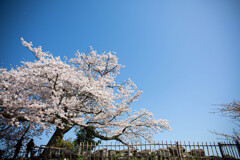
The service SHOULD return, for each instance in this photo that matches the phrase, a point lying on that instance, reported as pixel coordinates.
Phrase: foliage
(68, 143)
(153, 153)
(118, 154)
(79, 158)
(81, 91)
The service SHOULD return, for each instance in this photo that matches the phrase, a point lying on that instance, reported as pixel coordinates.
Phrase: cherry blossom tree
(231, 110)
(79, 92)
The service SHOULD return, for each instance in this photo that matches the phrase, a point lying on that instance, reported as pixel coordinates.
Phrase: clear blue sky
(184, 55)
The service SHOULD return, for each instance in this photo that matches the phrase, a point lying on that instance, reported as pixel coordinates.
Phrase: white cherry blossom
(79, 92)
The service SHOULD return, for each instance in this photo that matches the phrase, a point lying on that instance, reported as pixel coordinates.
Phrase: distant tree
(86, 136)
(231, 110)
(79, 92)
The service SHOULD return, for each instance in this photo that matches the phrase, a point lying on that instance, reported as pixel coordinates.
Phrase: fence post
(128, 152)
(79, 149)
(63, 153)
(70, 155)
(220, 148)
(238, 146)
(178, 150)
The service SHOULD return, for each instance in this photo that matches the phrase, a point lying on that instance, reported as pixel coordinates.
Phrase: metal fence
(46, 153)
(142, 151)
(160, 150)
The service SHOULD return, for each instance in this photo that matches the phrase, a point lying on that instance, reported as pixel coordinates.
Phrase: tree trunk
(19, 144)
(58, 133)
(52, 142)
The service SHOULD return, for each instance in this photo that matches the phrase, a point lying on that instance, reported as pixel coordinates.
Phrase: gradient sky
(184, 55)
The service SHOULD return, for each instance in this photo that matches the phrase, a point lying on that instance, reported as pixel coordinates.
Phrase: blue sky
(184, 55)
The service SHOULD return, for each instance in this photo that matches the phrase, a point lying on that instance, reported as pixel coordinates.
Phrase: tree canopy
(81, 91)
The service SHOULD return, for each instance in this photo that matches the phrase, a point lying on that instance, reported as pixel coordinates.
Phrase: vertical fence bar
(70, 155)
(128, 151)
(151, 151)
(232, 149)
(238, 147)
(194, 149)
(190, 148)
(162, 150)
(227, 148)
(63, 151)
(207, 149)
(181, 150)
(215, 148)
(132, 149)
(159, 150)
(79, 149)
(94, 151)
(169, 148)
(90, 149)
(167, 145)
(115, 149)
(198, 147)
(203, 149)
(145, 144)
(185, 147)
(135, 149)
(212, 149)
(119, 147)
(164, 154)
(155, 151)
(236, 153)
(111, 151)
(102, 155)
(141, 148)
(178, 151)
